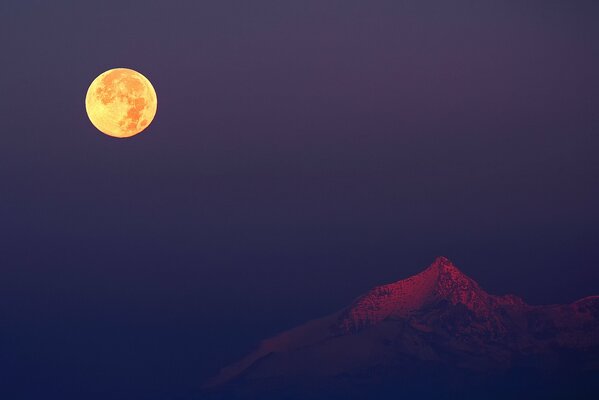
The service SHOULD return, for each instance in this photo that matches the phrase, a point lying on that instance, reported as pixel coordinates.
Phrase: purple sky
(302, 153)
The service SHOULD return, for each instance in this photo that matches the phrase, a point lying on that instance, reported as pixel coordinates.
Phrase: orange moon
(121, 102)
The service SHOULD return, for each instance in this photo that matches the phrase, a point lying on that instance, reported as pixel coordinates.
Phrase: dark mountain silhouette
(432, 335)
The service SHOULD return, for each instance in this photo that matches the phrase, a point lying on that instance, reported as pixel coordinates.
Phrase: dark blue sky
(302, 153)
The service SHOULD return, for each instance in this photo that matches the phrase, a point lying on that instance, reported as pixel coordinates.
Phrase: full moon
(121, 102)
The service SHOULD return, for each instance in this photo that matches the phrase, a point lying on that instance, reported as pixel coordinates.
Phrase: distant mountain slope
(437, 322)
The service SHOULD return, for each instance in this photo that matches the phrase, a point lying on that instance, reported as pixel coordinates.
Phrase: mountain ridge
(438, 318)
(441, 280)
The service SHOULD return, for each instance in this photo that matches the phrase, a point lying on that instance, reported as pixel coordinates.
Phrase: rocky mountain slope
(437, 322)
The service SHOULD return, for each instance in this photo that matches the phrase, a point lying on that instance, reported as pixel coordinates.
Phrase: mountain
(433, 334)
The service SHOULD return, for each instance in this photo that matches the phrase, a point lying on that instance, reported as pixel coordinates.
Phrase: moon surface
(121, 102)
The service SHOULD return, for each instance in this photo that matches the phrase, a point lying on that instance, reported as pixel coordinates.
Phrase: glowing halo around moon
(121, 102)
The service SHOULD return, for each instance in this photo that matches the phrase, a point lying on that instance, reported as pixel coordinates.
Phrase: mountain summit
(442, 281)
(438, 323)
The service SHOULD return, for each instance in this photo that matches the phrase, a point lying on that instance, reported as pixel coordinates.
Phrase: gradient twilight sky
(303, 152)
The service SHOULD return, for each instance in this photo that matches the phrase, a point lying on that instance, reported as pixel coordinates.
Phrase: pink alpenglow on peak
(440, 281)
